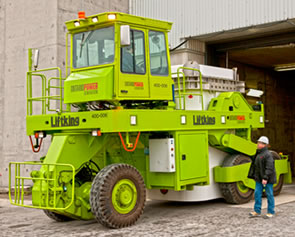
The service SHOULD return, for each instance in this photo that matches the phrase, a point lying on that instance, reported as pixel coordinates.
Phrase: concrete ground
(212, 218)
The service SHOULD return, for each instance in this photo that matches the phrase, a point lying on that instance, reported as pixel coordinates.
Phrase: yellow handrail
(53, 185)
(182, 94)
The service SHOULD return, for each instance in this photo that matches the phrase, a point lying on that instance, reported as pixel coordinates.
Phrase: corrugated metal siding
(198, 17)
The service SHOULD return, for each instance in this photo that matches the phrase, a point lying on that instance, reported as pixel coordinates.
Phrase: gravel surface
(212, 218)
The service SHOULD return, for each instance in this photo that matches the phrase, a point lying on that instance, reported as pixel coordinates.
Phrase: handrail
(183, 94)
(30, 92)
(179, 93)
(55, 87)
(46, 86)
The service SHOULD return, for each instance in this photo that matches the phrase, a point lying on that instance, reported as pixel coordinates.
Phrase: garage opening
(265, 63)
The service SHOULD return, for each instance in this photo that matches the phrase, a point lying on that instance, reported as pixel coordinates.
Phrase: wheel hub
(124, 196)
(242, 188)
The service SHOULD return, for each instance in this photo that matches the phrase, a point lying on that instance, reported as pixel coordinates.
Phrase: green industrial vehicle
(124, 125)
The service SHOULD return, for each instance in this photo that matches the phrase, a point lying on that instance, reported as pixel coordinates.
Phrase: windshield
(93, 47)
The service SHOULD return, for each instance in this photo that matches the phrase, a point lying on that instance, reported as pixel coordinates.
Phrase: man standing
(263, 171)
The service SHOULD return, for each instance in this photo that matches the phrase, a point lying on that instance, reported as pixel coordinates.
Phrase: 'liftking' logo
(203, 120)
(64, 121)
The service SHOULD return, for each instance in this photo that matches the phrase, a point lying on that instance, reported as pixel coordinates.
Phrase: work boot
(254, 214)
(268, 216)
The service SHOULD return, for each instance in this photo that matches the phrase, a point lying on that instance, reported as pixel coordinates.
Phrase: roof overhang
(245, 33)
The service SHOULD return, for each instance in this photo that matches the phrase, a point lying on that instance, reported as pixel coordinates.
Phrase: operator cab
(118, 58)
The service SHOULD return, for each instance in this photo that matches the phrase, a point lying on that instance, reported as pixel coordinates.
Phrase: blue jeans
(258, 198)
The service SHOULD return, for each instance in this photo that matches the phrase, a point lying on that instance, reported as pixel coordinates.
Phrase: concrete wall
(2, 58)
(193, 50)
(25, 24)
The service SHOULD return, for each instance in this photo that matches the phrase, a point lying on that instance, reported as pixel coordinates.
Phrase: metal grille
(49, 185)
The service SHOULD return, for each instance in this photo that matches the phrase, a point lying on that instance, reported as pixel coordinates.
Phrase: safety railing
(46, 88)
(48, 184)
(54, 97)
(182, 92)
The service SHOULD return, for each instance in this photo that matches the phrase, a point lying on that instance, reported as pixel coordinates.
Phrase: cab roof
(107, 17)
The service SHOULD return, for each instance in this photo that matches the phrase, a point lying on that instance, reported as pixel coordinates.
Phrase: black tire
(231, 191)
(277, 188)
(57, 217)
(101, 195)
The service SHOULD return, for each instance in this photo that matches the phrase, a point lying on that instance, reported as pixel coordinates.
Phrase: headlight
(112, 17)
(94, 19)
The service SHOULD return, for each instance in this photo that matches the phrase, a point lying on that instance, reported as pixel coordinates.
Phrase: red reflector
(98, 133)
(241, 117)
(190, 96)
(81, 15)
(36, 135)
(164, 191)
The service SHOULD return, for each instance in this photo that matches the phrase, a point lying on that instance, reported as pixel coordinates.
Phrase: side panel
(198, 193)
(90, 85)
(161, 88)
(162, 156)
(132, 85)
(193, 155)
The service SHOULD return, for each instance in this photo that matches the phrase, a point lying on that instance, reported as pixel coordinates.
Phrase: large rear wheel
(117, 196)
(237, 192)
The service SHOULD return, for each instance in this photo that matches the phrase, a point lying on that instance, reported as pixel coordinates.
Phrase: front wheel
(117, 196)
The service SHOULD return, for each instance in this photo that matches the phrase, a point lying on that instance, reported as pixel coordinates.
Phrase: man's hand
(264, 182)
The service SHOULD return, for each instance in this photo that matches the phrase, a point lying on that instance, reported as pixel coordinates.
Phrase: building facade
(32, 24)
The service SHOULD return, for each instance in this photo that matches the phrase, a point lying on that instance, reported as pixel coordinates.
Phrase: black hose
(178, 45)
(95, 165)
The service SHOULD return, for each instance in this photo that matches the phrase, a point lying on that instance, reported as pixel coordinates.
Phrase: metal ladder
(182, 93)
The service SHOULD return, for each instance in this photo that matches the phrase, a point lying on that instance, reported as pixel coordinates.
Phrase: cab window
(93, 48)
(158, 53)
(133, 56)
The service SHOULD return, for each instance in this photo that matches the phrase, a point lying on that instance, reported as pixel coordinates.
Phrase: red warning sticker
(241, 117)
(138, 84)
(91, 86)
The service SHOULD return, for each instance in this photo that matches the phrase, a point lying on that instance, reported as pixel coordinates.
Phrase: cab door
(133, 76)
(160, 73)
